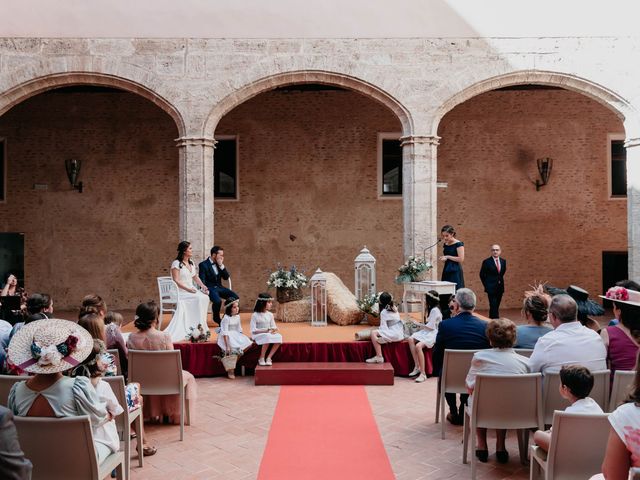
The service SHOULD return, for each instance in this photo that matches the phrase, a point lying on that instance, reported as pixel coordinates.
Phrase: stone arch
(600, 94)
(257, 87)
(20, 93)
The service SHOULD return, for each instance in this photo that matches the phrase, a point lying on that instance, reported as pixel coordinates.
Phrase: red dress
(622, 351)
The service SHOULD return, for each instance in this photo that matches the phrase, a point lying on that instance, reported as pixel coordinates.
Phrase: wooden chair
(6, 382)
(577, 448)
(455, 367)
(116, 359)
(552, 400)
(63, 448)
(504, 402)
(168, 291)
(124, 421)
(159, 373)
(622, 382)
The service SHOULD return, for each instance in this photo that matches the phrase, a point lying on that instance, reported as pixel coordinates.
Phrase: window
(225, 167)
(389, 165)
(618, 166)
(3, 169)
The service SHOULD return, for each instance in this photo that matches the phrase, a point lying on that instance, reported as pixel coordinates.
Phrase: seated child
(426, 336)
(576, 383)
(391, 327)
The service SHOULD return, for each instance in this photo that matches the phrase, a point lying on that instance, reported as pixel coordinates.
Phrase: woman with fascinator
(391, 327)
(46, 349)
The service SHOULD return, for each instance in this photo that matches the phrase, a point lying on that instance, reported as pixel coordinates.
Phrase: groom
(212, 272)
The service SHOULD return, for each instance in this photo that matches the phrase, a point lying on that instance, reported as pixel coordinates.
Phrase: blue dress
(452, 271)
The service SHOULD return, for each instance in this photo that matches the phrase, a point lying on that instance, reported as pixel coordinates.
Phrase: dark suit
(13, 464)
(493, 282)
(465, 331)
(213, 281)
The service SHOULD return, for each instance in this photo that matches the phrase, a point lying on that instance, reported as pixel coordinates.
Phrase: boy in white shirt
(576, 383)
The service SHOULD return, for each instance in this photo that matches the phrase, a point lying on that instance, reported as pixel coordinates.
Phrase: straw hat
(49, 346)
(622, 295)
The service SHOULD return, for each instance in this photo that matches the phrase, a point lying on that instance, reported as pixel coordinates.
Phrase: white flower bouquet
(413, 270)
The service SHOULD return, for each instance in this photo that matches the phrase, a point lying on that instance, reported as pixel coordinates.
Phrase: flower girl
(391, 327)
(231, 337)
(426, 336)
(264, 330)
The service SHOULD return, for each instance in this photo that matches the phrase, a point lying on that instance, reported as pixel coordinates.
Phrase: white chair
(168, 291)
(6, 382)
(577, 447)
(622, 381)
(63, 449)
(116, 359)
(159, 373)
(455, 367)
(124, 421)
(510, 402)
(525, 352)
(552, 400)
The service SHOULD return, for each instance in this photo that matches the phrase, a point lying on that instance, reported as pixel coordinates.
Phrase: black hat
(586, 306)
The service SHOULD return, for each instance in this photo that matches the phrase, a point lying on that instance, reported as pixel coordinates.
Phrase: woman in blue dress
(453, 257)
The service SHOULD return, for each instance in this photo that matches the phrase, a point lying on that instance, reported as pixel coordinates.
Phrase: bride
(192, 306)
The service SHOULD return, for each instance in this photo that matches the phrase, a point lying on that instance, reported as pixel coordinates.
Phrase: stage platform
(302, 343)
(324, 373)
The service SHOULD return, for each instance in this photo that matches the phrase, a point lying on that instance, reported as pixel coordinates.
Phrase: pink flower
(71, 342)
(617, 293)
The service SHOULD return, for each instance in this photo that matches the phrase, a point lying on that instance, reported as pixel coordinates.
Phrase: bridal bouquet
(413, 270)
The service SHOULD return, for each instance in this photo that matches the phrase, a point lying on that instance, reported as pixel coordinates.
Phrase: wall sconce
(73, 171)
(544, 170)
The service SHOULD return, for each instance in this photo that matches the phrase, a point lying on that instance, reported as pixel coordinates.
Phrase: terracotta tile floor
(234, 416)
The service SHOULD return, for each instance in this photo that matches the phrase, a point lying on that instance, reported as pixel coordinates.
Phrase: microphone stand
(424, 252)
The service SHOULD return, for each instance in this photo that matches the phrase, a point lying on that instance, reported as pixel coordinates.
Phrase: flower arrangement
(369, 304)
(234, 351)
(287, 278)
(412, 269)
(197, 334)
(617, 293)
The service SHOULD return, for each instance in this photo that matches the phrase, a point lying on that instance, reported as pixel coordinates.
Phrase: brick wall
(487, 155)
(118, 235)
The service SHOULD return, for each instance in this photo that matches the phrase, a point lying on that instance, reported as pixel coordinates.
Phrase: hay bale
(294, 312)
(341, 303)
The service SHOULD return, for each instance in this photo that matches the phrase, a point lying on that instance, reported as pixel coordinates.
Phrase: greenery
(411, 269)
(287, 278)
(197, 335)
(369, 304)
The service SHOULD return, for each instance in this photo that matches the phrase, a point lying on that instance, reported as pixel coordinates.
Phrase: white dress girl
(191, 309)
(427, 334)
(264, 321)
(231, 328)
(107, 433)
(391, 327)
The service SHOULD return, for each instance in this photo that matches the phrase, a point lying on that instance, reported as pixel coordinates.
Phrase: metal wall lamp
(545, 166)
(73, 171)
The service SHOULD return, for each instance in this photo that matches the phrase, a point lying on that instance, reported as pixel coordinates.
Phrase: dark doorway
(12, 256)
(615, 267)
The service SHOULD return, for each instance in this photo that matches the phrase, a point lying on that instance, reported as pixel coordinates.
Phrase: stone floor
(234, 416)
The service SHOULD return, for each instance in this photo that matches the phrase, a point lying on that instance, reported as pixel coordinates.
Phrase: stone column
(419, 196)
(633, 206)
(196, 193)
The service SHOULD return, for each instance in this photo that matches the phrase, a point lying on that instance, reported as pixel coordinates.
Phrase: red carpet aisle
(324, 432)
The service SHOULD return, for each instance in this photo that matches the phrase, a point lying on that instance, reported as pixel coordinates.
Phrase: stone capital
(195, 141)
(631, 142)
(420, 139)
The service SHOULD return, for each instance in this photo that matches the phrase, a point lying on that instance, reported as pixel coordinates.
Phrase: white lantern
(318, 299)
(365, 267)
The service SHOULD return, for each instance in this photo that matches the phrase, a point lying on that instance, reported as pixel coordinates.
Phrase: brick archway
(20, 93)
(307, 76)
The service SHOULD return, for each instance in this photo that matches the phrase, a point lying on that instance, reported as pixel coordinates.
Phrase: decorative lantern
(318, 299)
(365, 266)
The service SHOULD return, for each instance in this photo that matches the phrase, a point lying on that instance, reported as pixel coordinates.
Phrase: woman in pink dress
(621, 340)
(148, 337)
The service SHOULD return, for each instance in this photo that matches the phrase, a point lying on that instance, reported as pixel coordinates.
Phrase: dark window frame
(615, 190)
(382, 138)
(216, 177)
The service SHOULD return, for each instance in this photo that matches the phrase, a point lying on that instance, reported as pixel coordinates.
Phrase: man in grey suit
(13, 464)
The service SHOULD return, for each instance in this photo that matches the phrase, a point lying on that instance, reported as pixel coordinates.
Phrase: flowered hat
(49, 346)
(622, 295)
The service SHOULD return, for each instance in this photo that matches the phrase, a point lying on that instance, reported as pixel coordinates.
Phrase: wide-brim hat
(617, 294)
(586, 306)
(49, 346)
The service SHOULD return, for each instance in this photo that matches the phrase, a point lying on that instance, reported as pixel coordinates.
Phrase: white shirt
(584, 405)
(216, 267)
(569, 344)
(625, 420)
(107, 433)
(497, 361)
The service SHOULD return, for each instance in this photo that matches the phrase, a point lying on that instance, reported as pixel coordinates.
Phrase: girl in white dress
(264, 330)
(192, 306)
(391, 327)
(231, 336)
(426, 336)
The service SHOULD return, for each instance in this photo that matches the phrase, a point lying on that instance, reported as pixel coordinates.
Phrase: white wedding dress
(191, 309)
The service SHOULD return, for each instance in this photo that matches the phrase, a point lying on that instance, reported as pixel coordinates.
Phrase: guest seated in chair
(148, 337)
(212, 271)
(113, 322)
(501, 359)
(535, 308)
(47, 348)
(391, 327)
(264, 330)
(231, 337)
